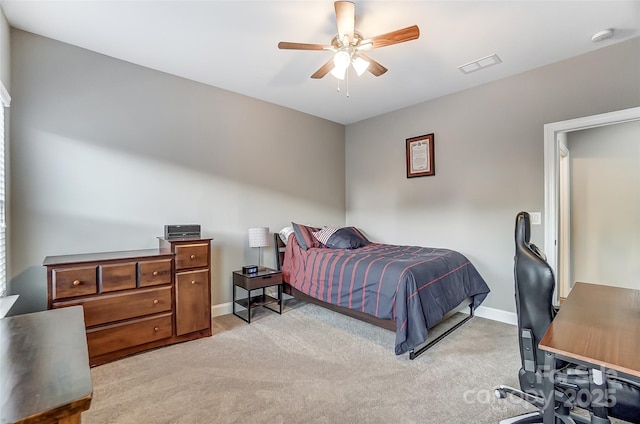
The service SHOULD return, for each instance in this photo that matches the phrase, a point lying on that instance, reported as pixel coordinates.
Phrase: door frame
(552, 171)
(564, 218)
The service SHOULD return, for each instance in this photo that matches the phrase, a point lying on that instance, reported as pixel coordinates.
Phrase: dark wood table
(262, 279)
(597, 327)
(44, 367)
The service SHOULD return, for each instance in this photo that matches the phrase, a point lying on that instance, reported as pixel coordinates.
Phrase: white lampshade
(259, 237)
(360, 65)
(339, 73)
(341, 63)
(341, 59)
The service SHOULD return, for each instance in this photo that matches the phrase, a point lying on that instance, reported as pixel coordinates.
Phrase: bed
(406, 289)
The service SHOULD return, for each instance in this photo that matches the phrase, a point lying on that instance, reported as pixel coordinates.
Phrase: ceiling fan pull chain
(347, 83)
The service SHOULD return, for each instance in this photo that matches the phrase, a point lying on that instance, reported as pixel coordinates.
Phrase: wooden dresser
(136, 300)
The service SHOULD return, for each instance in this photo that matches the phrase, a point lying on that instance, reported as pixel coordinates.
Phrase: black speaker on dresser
(180, 231)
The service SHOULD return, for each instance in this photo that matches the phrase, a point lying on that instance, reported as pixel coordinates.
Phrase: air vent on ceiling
(482, 63)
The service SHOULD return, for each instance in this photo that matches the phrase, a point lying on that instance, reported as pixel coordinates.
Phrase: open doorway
(555, 133)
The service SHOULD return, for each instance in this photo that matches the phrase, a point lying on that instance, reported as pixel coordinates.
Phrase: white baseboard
(496, 315)
(221, 309)
(482, 312)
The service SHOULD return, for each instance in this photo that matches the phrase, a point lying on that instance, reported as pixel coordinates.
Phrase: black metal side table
(265, 277)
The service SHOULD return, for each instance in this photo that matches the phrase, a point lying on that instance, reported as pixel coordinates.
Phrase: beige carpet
(311, 365)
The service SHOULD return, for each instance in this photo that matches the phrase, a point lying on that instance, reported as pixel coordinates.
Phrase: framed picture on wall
(420, 158)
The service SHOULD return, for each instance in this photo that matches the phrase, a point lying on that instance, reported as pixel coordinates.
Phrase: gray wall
(105, 153)
(489, 159)
(605, 204)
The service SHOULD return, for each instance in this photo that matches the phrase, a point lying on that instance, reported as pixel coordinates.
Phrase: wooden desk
(597, 327)
(44, 367)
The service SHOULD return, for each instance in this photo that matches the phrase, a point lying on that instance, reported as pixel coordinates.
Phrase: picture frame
(420, 156)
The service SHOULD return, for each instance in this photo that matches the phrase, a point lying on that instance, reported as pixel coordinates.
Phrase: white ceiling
(233, 44)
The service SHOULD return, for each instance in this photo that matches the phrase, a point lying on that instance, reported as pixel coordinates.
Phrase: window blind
(3, 226)
(4, 103)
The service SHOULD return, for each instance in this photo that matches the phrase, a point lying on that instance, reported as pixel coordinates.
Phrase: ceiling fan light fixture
(342, 59)
(339, 73)
(360, 65)
(348, 43)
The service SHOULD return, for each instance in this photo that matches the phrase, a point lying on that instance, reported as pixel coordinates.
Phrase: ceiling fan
(349, 45)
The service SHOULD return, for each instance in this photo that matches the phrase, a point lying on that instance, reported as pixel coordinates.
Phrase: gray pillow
(347, 238)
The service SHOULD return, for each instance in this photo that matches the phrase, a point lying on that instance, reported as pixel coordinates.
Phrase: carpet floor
(311, 365)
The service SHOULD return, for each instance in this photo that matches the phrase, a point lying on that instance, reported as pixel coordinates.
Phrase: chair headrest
(523, 228)
(523, 235)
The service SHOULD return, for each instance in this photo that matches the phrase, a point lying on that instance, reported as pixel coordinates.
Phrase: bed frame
(384, 323)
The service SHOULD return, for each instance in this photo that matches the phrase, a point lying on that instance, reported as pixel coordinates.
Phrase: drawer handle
(155, 273)
(155, 301)
(193, 281)
(156, 329)
(193, 256)
(76, 282)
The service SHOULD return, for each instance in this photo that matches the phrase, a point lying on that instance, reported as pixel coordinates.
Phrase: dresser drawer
(116, 307)
(113, 277)
(132, 333)
(257, 281)
(192, 256)
(71, 282)
(153, 273)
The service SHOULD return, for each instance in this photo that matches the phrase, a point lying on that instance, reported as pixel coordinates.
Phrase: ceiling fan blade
(394, 37)
(346, 19)
(374, 67)
(324, 70)
(302, 46)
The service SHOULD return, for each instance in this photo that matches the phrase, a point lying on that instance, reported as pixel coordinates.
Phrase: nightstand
(262, 279)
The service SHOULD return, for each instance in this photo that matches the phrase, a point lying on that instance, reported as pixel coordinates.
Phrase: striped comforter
(414, 286)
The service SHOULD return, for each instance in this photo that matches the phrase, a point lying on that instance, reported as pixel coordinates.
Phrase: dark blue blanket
(414, 286)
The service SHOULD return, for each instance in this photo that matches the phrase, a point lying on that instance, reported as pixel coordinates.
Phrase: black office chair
(534, 285)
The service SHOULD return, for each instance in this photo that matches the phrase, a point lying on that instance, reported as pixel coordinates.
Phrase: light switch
(536, 218)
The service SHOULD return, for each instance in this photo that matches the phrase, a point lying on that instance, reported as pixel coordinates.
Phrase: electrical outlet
(536, 218)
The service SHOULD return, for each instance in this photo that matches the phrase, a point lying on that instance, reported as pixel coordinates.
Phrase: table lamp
(259, 237)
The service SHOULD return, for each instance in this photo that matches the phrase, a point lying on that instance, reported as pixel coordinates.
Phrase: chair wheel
(500, 393)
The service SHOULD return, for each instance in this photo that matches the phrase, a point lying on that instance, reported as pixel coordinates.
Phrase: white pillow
(284, 234)
(323, 235)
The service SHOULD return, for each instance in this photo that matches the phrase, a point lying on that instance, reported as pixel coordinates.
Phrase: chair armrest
(619, 379)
